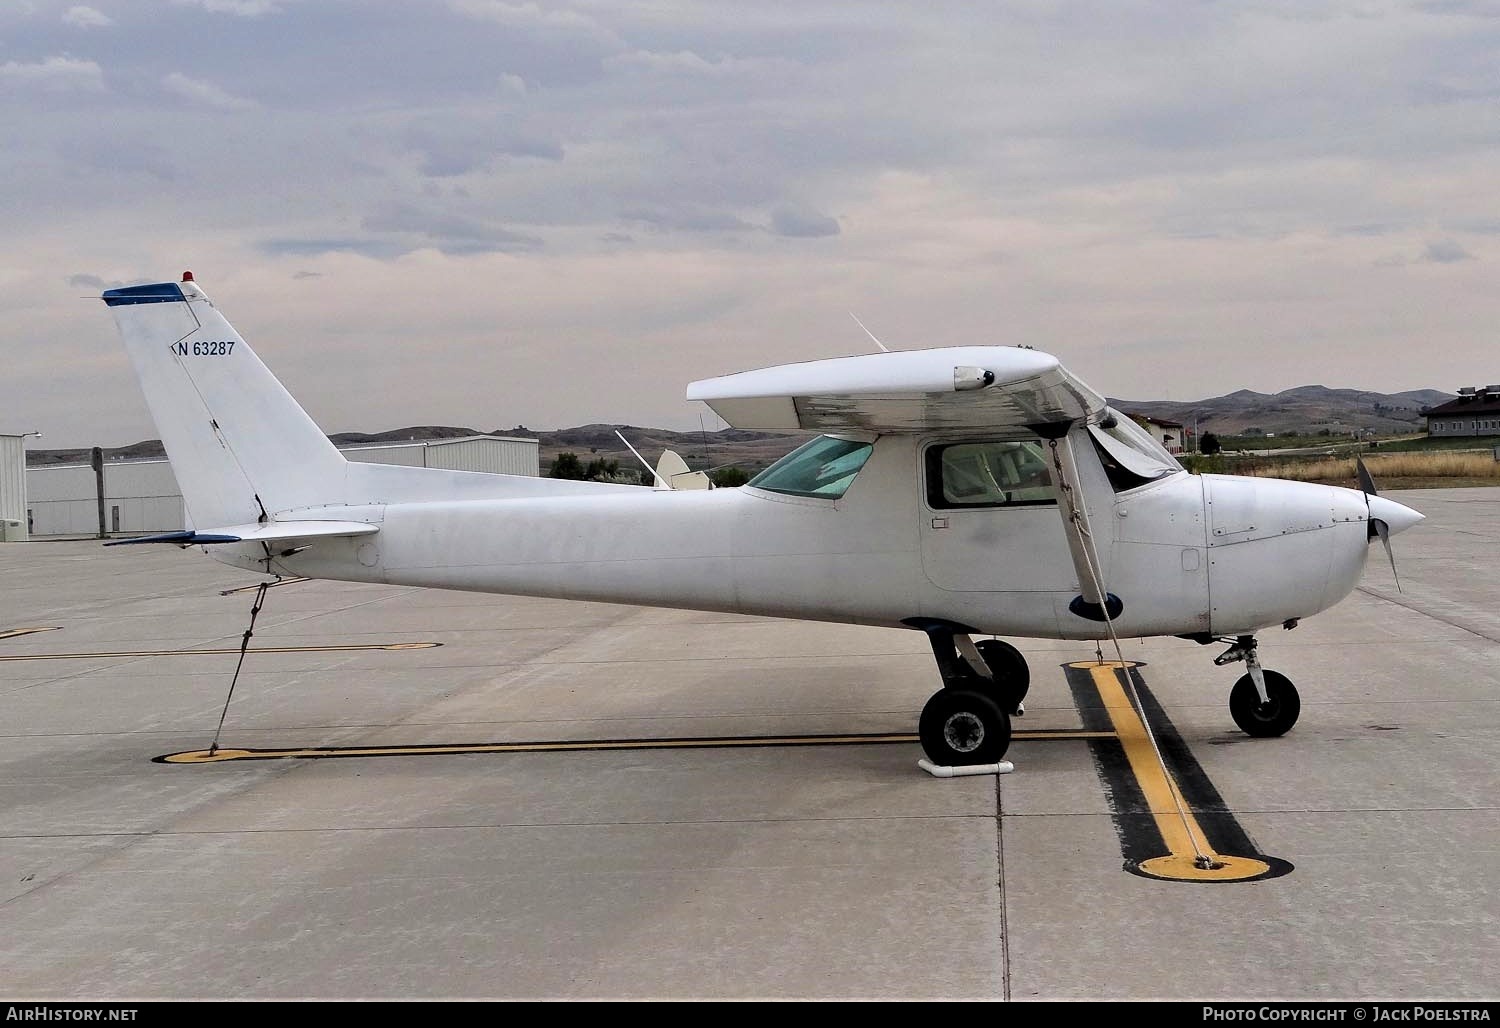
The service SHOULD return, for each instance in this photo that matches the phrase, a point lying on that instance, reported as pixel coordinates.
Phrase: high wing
(906, 391)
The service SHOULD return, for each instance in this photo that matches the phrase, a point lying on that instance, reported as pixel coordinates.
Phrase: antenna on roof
(861, 324)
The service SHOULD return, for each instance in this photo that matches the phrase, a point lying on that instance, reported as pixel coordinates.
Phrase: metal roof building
(13, 487)
(1168, 433)
(139, 496)
(142, 496)
(1474, 412)
(495, 454)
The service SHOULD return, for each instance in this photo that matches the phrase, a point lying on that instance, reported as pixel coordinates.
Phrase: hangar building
(13, 487)
(141, 496)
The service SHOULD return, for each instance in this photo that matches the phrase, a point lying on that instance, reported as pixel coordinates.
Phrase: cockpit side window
(991, 473)
(824, 468)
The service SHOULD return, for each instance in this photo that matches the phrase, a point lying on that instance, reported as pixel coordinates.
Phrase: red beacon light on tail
(187, 276)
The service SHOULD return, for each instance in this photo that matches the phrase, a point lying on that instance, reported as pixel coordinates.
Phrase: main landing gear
(1263, 703)
(967, 721)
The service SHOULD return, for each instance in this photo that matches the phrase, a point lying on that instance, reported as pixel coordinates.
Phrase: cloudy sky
(490, 214)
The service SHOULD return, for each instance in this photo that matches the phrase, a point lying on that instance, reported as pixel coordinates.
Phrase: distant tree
(566, 465)
(601, 470)
(728, 478)
(1208, 443)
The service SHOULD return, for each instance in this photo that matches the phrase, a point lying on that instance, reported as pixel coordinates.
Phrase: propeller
(1377, 526)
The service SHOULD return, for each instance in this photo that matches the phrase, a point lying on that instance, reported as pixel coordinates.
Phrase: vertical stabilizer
(240, 445)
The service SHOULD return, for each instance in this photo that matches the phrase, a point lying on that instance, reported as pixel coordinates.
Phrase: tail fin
(242, 449)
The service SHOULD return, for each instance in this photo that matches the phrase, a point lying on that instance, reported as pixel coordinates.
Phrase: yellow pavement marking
(236, 649)
(1173, 817)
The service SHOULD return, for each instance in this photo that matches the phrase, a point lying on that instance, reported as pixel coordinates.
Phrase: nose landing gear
(1263, 703)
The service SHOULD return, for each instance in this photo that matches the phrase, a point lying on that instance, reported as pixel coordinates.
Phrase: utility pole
(97, 459)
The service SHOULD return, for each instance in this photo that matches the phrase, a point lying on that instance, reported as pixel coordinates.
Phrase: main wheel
(960, 727)
(1012, 676)
(1274, 717)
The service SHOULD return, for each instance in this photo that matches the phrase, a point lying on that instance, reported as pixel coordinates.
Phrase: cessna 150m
(962, 492)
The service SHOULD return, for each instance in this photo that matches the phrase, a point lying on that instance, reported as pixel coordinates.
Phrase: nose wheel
(1275, 715)
(1263, 703)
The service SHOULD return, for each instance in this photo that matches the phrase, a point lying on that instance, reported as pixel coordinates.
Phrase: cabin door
(989, 519)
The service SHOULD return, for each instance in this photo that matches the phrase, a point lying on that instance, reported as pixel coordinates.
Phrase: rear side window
(988, 474)
(824, 468)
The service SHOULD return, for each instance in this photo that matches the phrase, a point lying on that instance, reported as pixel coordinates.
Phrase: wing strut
(1097, 603)
(1094, 602)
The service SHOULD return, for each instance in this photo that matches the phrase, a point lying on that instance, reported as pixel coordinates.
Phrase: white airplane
(960, 491)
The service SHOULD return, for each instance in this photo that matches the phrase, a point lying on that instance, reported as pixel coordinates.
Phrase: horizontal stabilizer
(258, 532)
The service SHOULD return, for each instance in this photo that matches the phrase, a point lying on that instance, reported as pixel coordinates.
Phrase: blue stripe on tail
(163, 292)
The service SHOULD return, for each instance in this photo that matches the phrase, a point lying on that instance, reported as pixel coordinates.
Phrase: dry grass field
(1412, 470)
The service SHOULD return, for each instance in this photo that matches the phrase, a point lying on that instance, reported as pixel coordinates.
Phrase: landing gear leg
(1263, 703)
(967, 721)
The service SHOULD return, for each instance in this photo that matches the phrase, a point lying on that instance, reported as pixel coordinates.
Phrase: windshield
(823, 467)
(1130, 455)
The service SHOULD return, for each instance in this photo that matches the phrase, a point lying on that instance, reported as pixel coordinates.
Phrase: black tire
(1273, 718)
(1012, 675)
(961, 727)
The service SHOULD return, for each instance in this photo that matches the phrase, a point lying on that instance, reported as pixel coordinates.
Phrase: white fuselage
(1187, 554)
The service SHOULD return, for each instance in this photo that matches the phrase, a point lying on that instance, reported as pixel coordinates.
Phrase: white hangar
(141, 496)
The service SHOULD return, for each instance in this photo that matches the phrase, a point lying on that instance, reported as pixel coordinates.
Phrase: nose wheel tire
(1263, 720)
(962, 727)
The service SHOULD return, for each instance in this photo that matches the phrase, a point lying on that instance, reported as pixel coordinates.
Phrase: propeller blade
(1383, 530)
(1377, 526)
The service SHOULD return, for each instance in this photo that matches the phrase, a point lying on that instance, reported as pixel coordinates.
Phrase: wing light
(968, 377)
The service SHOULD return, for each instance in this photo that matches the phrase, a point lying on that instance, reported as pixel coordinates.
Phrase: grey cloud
(1446, 251)
(113, 156)
(688, 220)
(86, 18)
(242, 8)
(688, 63)
(791, 221)
(1482, 226)
(532, 18)
(380, 249)
(54, 74)
(1463, 8)
(455, 147)
(1084, 142)
(199, 91)
(86, 281)
(450, 233)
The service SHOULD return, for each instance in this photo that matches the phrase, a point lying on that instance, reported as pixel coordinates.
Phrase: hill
(1305, 409)
(750, 450)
